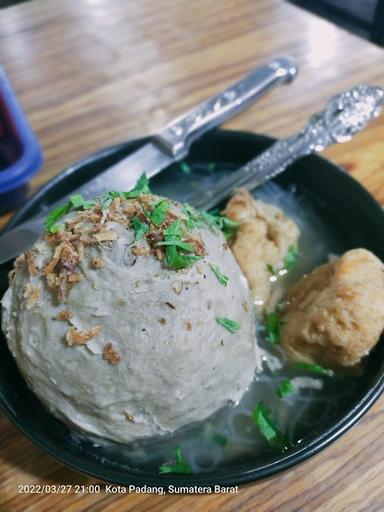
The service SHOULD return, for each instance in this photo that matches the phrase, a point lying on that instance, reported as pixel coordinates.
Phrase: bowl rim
(229, 476)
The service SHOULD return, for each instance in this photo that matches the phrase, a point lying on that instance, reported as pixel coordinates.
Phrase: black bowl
(341, 202)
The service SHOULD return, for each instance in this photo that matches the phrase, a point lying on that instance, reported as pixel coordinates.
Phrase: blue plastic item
(20, 153)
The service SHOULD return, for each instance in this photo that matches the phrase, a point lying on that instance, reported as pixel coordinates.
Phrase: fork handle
(344, 115)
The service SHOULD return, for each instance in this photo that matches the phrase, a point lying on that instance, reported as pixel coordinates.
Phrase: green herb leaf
(291, 257)
(56, 228)
(315, 368)
(108, 197)
(174, 244)
(213, 221)
(185, 246)
(271, 269)
(231, 325)
(268, 429)
(185, 168)
(141, 187)
(178, 465)
(273, 327)
(140, 228)
(159, 212)
(220, 222)
(201, 218)
(190, 224)
(229, 227)
(194, 220)
(176, 260)
(285, 388)
(78, 201)
(106, 204)
(54, 216)
(173, 231)
(87, 205)
(222, 278)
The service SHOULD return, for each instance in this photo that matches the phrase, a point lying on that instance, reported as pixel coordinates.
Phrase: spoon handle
(344, 116)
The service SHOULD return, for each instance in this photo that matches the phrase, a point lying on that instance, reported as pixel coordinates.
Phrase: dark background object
(8, 3)
(20, 152)
(364, 17)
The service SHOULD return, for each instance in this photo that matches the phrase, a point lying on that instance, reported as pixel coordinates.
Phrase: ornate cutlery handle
(344, 116)
(178, 136)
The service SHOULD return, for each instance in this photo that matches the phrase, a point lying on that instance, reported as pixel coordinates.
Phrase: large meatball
(131, 319)
(335, 315)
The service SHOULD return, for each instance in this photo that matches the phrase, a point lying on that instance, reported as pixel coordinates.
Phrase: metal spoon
(344, 115)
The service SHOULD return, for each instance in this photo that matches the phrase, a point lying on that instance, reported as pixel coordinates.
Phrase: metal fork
(344, 115)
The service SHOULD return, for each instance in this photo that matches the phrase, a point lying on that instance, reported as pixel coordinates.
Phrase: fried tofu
(262, 240)
(335, 315)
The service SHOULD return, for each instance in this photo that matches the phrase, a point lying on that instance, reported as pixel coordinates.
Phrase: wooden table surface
(91, 73)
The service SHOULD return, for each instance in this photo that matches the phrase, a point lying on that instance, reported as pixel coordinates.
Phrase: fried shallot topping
(76, 337)
(69, 257)
(31, 265)
(60, 270)
(19, 261)
(11, 276)
(75, 277)
(110, 355)
(97, 262)
(200, 269)
(79, 246)
(108, 235)
(17, 264)
(64, 315)
(197, 243)
(32, 295)
(52, 280)
(129, 417)
(177, 287)
(168, 234)
(159, 254)
(50, 267)
(140, 250)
